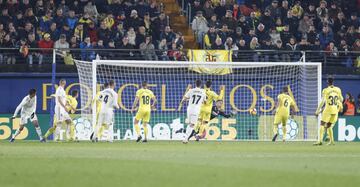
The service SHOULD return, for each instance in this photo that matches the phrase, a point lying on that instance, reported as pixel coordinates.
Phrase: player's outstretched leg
(17, 132)
(284, 133)
(137, 130)
(188, 133)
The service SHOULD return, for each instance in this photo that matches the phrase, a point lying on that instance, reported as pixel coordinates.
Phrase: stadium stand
(258, 30)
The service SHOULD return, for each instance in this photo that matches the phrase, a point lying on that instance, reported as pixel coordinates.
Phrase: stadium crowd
(288, 25)
(94, 25)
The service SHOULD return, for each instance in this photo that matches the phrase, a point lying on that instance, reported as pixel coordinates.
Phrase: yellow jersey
(71, 101)
(145, 96)
(211, 96)
(333, 99)
(97, 102)
(285, 101)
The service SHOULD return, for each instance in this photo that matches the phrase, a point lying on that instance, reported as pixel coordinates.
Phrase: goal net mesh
(249, 85)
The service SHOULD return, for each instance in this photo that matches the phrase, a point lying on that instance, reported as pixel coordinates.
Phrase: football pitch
(164, 163)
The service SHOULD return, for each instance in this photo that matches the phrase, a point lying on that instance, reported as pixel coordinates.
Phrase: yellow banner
(210, 56)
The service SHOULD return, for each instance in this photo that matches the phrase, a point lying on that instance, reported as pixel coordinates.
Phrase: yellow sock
(331, 134)
(100, 132)
(322, 130)
(197, 127)
(275, 129)
(137, 129)
(72, 131)
(50, 131)
(284, 132)
(145, 126)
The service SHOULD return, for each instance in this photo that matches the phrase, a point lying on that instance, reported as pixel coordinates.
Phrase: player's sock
(137, 129)
(284, 132)
(17, 132)
(189, 131)
(72, 131)
(100, 132)
(275, 129)
(38, 131)
(110, 133)
(331, 134)
(145, 131)
(322, 130)
(49, 132)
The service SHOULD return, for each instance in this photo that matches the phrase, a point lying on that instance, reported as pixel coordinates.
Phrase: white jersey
(60, 94)
(108, 99)
(27, 106)
(196, 97)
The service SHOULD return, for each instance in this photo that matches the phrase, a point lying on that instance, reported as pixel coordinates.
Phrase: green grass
(172, 164)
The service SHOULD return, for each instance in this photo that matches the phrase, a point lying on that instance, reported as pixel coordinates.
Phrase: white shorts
(61, 114)
(105, 118)
(192, 116)
(25, 117)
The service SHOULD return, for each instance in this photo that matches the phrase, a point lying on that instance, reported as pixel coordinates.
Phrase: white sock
(189, 130)
(111, 133)
(57, 131)
(17, 132)
(38, 131)
(96, 129)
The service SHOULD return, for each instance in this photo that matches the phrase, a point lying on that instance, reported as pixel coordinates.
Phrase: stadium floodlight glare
(249, 85)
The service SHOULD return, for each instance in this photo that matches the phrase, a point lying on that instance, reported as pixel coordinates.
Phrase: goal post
(249, 85)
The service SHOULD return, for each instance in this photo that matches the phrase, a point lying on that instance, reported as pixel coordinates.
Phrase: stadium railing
(40, 60)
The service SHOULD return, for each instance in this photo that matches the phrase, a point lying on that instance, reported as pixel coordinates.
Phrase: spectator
(159, 24)
(210, 37)
(46, 44)
(284, 8)
(104, 32)
(45, 21)
(99, 49)
(62, 44)
(179, 40)
(229, 20)
(131, 36)
(304, 24)
(7, 56)
(74, 44)
(332, 53)
(274, 9)
(174, 54)
(85, 20)
(79, 32)
(214, 21)
(168, 35)
(325, 37)
(229, 45)
(148, 49)
(30, 17)
(140, 36)
(90, 9)
(72, 20)
(236, 11)
(311, 34)
(340, 23)
(297, 10)
(39, 8)
(92, 32)
(354, 20)
(261, 33)
(292, 47)
(274, 35)
(333, 11)
(224, 33)
(196, 8)
(218, 45)
(134, 21)
(163, 50)
(109, 20)
(59, 18)
(322, 11)
(267, 20)
(349, 105)
(280, 55)
(208, 10)
(254, 45)
(221, 9)
(243, 24)
(33, 52)
(86, 50)
(199, 26)
(64, 7)
(147, 24)
(54, 32)
(127, 52)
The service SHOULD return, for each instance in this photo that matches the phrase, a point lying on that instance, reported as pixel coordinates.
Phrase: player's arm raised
(185, 97)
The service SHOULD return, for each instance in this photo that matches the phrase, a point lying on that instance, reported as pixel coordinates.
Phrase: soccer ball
(253, 111)
(83, 128)
(292, 130)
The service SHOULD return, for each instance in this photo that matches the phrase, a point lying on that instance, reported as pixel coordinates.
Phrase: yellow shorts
(280, 119)
(329, 118)
(144, 116)
(205, 116)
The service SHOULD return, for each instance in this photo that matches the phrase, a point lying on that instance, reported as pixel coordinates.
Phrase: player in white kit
(109, 100)
(28, 109)
(196, 97)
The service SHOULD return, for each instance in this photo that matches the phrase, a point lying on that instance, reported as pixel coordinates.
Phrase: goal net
(249, 85)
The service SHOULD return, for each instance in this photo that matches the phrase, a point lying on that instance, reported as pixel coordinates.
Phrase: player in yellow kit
(284, 104)
(331, 104)
(144, 96)
(205, 111)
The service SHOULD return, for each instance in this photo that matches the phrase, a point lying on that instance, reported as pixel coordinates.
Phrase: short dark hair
(208, 83)
(111, 83)
(198, 83)
(330, 80)
(32, 91)
(144, 83)
(106, 85)
(285, 89)
(74, 93)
